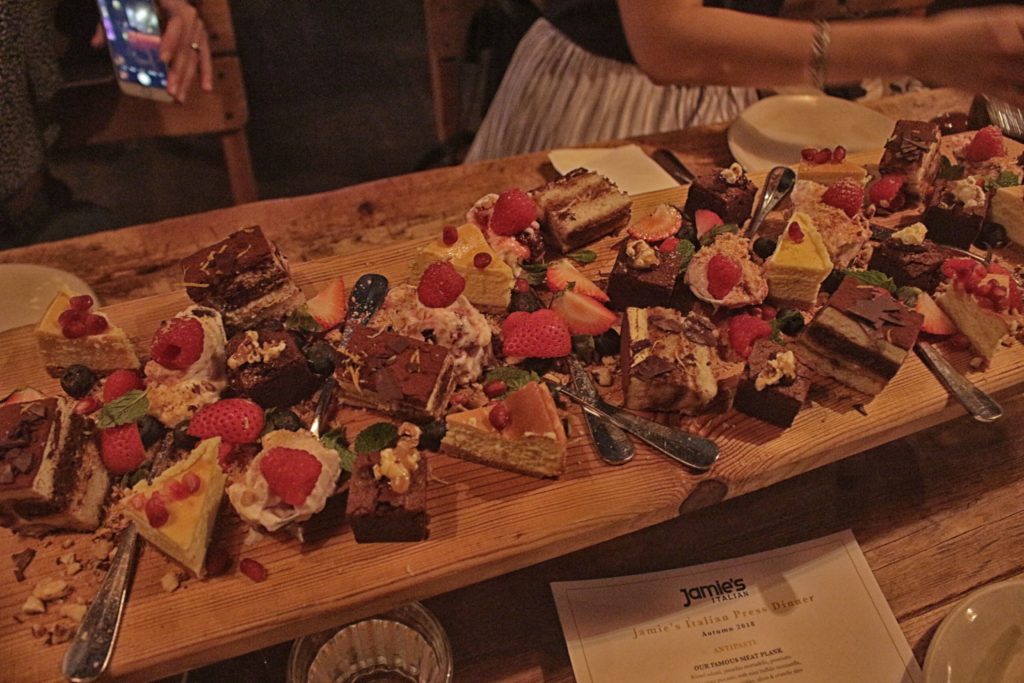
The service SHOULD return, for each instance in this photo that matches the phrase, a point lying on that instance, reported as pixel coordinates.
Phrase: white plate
(982, 639)
(772, 132)
(26, 290)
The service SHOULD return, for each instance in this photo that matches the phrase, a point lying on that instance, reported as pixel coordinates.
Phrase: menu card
(808, 612)
(627, 166)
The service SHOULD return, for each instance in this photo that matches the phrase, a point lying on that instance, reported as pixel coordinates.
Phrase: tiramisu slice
(912, 151)
(243, 276)
(579, 208)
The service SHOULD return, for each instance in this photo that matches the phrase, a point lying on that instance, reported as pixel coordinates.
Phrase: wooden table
(938, 513)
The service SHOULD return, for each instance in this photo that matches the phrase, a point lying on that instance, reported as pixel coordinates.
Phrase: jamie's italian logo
(719, 591)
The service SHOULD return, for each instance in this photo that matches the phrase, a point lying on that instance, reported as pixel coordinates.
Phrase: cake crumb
(170, 581)
(68, 543)
(51, 589)
(977, 363)
(21, 562)
(101, 549)
(74, 612)
(860, 408)
(72, 568)
(38, 630)
(33, 605)
(60, 632)
(66, 558)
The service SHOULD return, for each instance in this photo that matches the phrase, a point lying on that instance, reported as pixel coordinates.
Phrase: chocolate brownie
(731, 201)
(956, 212)
(774, 386)
(269, 368)
(642, 276)
(910, 265)
(377, 513)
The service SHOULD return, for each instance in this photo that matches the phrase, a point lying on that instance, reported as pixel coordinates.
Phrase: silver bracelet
(819, 52)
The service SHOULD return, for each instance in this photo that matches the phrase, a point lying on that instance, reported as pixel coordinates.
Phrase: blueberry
(832, 282)
(150, 430)
(283, 419)
(993, 236)
(764, 247)
(790, 321)
(182, 439)
(607, 344)
(78, 381)
(688, 231)
(321, 358)
(431, 435)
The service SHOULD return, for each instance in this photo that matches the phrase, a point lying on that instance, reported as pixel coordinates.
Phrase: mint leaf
(873, 278)
(376, 437)
(686, 250)
(336, 440)
(714, 232)
(949, 171)
(535, 273)
(124, 409)
(300, 320)
(514, 378)
(1008, 179)
(583, 256)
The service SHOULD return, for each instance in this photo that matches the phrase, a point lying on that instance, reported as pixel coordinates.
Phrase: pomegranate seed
(838, 154)
(71, 315)
(795, 233)
(482, 260)
(499, 416)
(176, 490)
(87, 406)
(495, 388)
(191, 481)
(253, 569)
(450, 235)
(95, 324)
(74, 329)
(823, 156)
(83, 302)
(156, 511)
(138, 501)
(217, 561)
(522, 285)
(807, 153)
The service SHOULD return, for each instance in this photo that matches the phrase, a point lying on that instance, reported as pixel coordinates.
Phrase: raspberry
(723, 274)
(541, 334)
(987, 143)
(119, 383)
(121, 448)
(744, 330)
(178, 343)
(513, 212)
(440, 285)
(847, 195)
(291, 473)
(884, 190)
(235, 420)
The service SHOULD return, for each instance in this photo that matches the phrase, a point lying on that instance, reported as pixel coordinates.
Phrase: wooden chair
(447, 26)
(100, 113)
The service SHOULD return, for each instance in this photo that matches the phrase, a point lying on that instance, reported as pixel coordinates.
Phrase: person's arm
(680, 41)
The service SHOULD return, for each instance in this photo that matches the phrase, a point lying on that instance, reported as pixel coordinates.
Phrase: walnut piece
(33, 605)
(51, 589)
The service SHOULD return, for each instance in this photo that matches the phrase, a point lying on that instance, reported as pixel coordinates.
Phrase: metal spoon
(613, 445)
(777, 186)
(979, 405)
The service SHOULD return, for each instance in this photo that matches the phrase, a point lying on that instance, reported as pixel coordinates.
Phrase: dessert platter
(291, 465)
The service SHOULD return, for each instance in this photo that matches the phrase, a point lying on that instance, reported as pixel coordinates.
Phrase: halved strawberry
(541, 334)
(22, 395)
(562, 272)
(235, 420)
(329, 306)
(119, 383)
(663, 222)
(704, 220)
(744, 330)
(935, 320)
(582, 314)
(121, 448)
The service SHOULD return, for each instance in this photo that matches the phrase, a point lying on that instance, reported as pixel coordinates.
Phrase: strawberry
(669, 245)
(744, 330)
(119, 383)
(21, 396)
(883, 192)
(440, 285)
(513, 212)
(291, 473)
(987, 143)
(235, 420)
(582, 314)
(663, 222)
(562, 272)
(935, 321)
(541, 334)
(178, 343)
(329, 306)
(704, 220)
(723, 274)
(121, 448)
(847, 195)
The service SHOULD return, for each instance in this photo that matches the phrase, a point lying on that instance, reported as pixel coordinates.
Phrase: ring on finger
(194, 45)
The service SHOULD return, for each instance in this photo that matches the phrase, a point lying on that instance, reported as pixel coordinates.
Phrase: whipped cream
(462, 329)
(511, 250)
(256, 504)
(968, 192)
(912, 234)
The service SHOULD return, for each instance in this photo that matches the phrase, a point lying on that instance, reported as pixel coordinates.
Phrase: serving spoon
(777, 186)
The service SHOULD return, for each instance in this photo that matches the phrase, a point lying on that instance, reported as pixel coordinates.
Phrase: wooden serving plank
(485, 522)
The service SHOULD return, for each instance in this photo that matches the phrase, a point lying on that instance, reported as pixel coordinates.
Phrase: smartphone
(133, 37)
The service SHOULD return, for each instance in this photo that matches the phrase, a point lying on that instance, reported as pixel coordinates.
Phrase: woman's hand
(185, 47)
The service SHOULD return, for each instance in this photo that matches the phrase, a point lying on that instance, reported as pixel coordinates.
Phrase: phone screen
(133, 36)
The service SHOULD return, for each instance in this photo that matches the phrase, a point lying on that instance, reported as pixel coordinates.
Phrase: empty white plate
(982, 639)
(27, 289)
(772, 132)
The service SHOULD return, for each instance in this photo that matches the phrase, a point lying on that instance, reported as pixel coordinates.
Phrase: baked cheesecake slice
(983, 302)
(800, 264)
(522, 433)
(177, 510)
(93, 341)
(1007, 209)
(860, 338)
(489, 287)
(830, 172)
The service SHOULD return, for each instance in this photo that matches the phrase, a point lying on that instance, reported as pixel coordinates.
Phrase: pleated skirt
(556, 94)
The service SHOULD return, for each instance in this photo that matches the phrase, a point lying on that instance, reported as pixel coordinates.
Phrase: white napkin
(628, 167)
